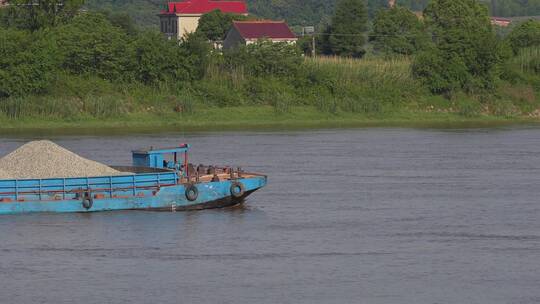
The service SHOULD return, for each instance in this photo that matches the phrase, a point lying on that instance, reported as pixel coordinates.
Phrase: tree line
(453, 46)
(54, 40)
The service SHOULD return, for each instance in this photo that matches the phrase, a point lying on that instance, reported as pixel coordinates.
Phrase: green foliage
(123, 21)
(515, 7)
(523, 68)
(214, 93)
(27, 62)
(525, 35)
(397, 31)
(465, 53)
(198, 54)
(32, 15)
(159, 60)
(349, 25)
(414, 5)
(143, 12)
(91, 44)
(440, 73)
(215, 25)
(296, 12)
(300, 12)
(265, 58)
(468, 107)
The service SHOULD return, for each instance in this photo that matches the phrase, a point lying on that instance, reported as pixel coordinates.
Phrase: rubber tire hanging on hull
(192, 193)
(237, 186)
(87, 202)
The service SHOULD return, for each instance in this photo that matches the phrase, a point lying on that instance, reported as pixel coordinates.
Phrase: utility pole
(310, 30)
(313, 49)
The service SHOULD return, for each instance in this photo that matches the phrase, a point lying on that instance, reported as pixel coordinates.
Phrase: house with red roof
(499, 21)
(248, 32)
(180, 18)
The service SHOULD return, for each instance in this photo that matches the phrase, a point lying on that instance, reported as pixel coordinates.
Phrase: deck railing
(67, 188)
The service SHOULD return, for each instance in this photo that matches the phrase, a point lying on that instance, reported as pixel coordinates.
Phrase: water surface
(349, 216)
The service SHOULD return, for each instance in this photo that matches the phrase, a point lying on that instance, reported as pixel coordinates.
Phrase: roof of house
(264, 29)
(205, 6)
(501, 19)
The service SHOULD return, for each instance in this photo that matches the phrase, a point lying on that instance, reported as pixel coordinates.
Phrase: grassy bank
(325, 93)
(252, 118)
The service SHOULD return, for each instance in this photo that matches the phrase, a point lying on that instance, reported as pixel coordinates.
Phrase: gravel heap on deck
(45, 159)
(4, 174)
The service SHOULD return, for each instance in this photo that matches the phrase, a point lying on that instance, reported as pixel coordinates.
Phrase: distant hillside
(142, 11)
(300, 12)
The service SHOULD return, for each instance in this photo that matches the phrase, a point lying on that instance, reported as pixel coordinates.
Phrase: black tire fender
(87, 202)
(192, 193)
(237, 189)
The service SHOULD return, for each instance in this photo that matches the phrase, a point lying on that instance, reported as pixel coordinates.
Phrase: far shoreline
(251, 119)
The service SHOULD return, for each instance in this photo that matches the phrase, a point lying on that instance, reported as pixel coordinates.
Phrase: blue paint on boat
(156, 184)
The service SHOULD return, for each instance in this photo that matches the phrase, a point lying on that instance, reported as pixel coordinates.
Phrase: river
(375, 215)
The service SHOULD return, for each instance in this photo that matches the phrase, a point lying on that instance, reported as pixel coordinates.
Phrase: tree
(524, 35)
(121, 20)
(265, 58)
(36, 14)
(462, 35)
(397, 31)
(348, 27)
(27, 62)
(215, 25)
(157, 59)
(91, 44)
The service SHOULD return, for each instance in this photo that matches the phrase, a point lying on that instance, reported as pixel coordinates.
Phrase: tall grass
(527, 60)
(374, 70)
(370, 86)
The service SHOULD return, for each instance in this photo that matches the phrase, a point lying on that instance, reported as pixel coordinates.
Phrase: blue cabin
(157, 158)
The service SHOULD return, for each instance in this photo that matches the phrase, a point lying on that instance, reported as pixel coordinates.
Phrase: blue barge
(160, 179)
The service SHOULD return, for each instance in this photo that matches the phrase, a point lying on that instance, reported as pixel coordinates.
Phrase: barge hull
(170, 198)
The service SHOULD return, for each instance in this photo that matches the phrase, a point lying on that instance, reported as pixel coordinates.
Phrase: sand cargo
(44, 177)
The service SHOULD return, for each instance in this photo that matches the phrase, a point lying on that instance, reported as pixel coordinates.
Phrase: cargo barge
(160, 179)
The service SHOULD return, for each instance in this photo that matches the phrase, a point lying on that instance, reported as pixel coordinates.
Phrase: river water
(349, 216)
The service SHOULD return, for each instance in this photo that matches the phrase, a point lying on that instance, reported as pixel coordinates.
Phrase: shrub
(218, 93)
(397, 31)
(91, 44)
(157, 60)
(465, 51)
(440, 74)
(265, 58)
(27, 62)
(524, 35)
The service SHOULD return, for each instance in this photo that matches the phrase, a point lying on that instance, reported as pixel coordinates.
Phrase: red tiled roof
(264, 29)
(501, 19)
(205, 6)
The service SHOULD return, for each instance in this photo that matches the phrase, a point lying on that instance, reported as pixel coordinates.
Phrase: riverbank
(252, 118)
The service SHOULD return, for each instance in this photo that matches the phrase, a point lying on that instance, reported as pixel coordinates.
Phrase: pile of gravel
(45, 159)
(4, 175)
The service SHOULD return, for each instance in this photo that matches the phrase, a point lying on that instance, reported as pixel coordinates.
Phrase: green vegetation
(48, 13)
(524, 35)
(118, 75)
(511, 8)
(346, 32)
(465, 52)
(398, 31)
(299, 12)
(215, 25)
